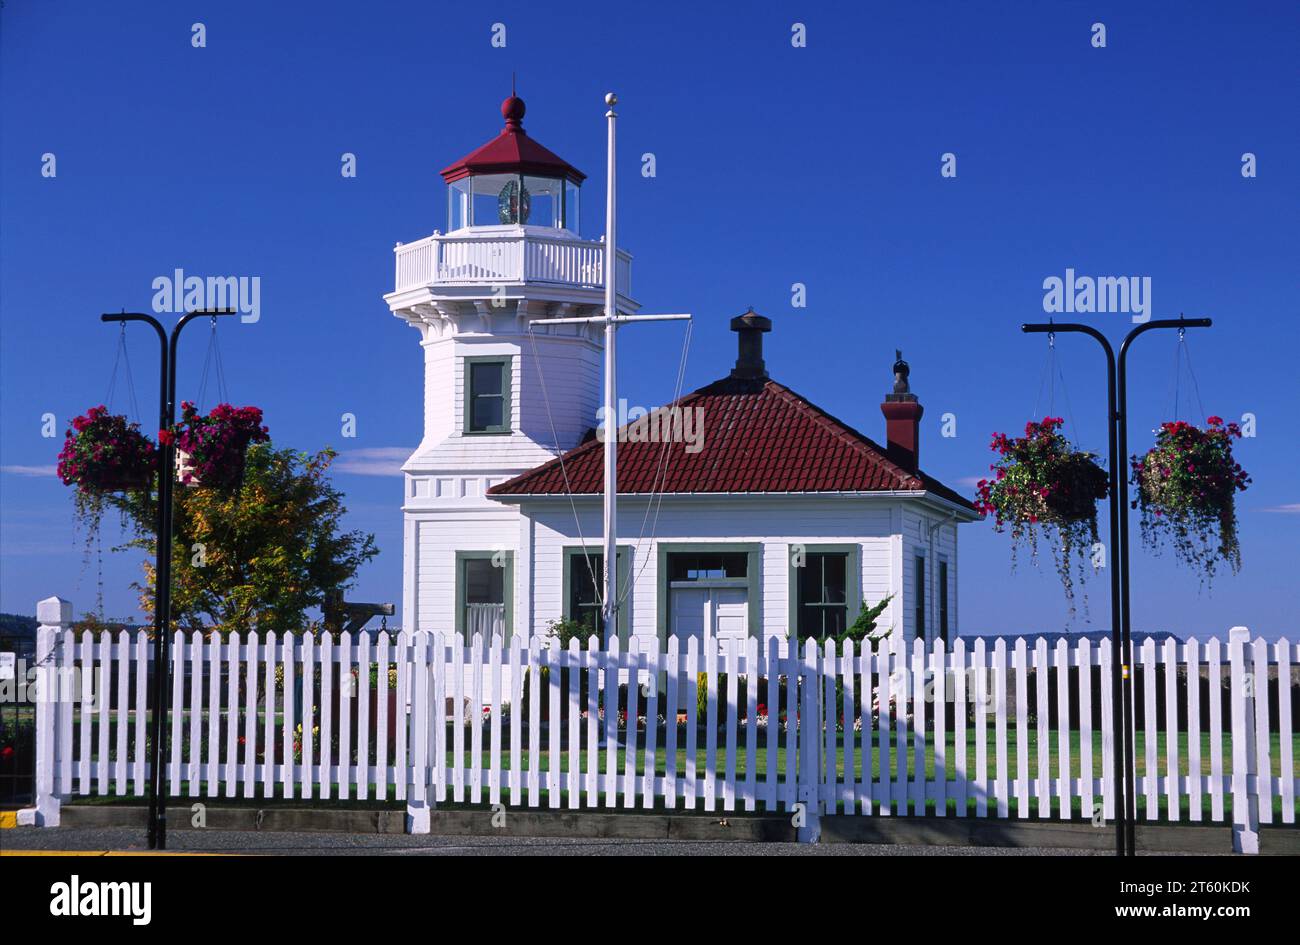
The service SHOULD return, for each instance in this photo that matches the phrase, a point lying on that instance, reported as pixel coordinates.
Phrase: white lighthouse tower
(499, 398)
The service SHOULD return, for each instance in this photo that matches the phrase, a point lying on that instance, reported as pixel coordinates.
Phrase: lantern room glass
(512, 200)
(459, 204)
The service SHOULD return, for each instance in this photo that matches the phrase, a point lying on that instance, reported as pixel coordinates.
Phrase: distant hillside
(17, 625)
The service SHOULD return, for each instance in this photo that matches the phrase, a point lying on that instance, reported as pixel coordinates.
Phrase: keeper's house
(761, 513)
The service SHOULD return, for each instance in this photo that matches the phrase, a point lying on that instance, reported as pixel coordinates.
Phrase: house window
(919, 564)
(586, 577)
(487, 395)
(943, 600)
(822, 588)
(707, 566)
(484, 583)
(584, 583)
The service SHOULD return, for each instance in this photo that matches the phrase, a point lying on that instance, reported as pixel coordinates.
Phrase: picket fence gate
(893, 730)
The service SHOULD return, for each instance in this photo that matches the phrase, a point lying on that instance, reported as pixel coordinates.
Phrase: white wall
(933, 535)
(447, 477)
(772, 522)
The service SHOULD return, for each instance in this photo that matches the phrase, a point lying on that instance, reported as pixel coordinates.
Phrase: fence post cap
(53, 610)
(1239, 633)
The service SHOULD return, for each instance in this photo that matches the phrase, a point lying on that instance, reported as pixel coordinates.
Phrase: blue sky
(775, 165)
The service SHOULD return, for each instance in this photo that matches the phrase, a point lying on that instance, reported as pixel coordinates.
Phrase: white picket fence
(1002, 728)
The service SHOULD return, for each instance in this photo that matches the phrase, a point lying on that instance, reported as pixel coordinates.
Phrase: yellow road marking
(8, 818)
(102, 853)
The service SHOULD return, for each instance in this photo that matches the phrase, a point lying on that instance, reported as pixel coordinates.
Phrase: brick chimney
(749, 361)
(902, 419)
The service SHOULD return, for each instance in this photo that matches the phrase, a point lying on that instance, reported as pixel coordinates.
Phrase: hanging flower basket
(1186, 486)
(1042, 482)
(104, 453)
(210, 449)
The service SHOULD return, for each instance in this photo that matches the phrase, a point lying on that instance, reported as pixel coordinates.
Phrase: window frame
(852, 585)
(508, 587)
(753, 580)
(506, 362)
(572, 555)
(943, 604)
(920, 582)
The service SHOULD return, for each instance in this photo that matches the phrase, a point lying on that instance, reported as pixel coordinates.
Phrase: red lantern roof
(513, 152)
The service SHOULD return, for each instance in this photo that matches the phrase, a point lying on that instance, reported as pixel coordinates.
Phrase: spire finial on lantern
(512, 109)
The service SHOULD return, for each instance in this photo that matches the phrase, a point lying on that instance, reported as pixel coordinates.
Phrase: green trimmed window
(484, 593)
(822, 595)
(703, 566)
(487, 395)
(584, 581)
(919, 590)
(943, 600)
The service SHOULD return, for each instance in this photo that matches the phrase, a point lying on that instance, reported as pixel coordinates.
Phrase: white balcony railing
(515, 257)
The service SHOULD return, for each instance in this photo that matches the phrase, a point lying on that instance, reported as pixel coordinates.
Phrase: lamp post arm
(157, 804)
(1120, 748)
(1179, 322)
(1126, 622)
(176, 334)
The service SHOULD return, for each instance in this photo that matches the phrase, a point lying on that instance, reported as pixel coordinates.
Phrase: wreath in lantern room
(513, 203)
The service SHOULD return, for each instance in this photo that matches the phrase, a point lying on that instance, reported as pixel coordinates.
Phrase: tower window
(487, 395)
(484, 593)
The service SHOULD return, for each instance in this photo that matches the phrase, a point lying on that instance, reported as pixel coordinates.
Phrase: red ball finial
(512, 110)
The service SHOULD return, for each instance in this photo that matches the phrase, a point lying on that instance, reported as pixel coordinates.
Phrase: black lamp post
(162, 591)
(1121, 637)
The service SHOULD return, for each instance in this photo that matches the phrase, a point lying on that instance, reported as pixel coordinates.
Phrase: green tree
(258, 556)
(862, 628)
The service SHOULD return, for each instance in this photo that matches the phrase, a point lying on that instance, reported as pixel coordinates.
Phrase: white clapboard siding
(866, 727)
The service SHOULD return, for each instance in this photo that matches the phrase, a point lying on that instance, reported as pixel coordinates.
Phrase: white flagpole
(611, 318)
(609, 605)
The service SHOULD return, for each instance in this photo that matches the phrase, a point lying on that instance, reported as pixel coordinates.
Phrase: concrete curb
(718, 826)
(456, 823)
(1149, 838)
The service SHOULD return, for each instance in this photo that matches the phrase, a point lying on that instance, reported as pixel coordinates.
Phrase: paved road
(268, 842)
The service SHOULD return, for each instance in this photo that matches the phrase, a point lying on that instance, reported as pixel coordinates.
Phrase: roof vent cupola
(749, 361)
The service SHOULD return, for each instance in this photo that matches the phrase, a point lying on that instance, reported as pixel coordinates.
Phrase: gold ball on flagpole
(611, 98)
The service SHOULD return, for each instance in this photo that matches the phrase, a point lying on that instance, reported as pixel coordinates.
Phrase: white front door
(730, 612)
(690, 615)
(709, 610)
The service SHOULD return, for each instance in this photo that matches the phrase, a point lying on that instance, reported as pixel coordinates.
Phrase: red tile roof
(756, 436)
